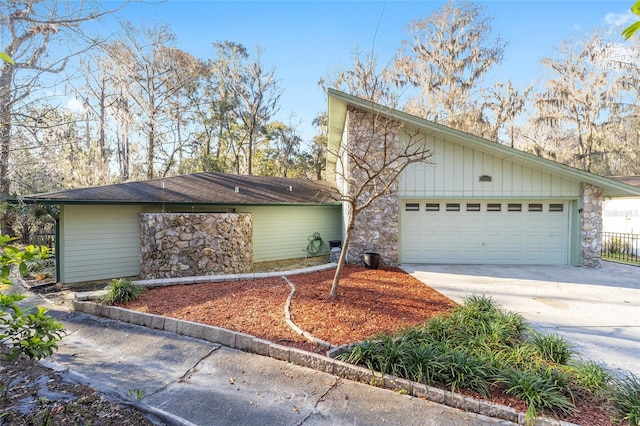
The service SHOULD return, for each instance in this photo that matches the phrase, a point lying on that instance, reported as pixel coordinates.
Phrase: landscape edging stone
(252, 344)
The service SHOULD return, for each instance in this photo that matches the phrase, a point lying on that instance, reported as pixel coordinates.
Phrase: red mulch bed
(369, 302)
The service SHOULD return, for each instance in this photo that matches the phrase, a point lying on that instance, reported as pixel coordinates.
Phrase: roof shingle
(199, 188)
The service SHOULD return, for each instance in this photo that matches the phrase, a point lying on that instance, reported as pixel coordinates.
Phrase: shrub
(121, 290)
(27, 332)
(30, 332)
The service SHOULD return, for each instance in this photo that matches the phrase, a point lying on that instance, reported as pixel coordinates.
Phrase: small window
(432, 207)
(473, 207)
(535, 207)
(494, 207)
(453, 207)
(514, 207)
(556, 207)
(412, 207)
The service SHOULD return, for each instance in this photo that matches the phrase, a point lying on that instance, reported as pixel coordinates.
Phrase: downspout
(57, 241)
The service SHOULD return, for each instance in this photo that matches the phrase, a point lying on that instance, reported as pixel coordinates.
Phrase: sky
(307, 40)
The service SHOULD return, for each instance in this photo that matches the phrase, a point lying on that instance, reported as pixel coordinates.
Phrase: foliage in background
(633, 28)
(30, 332)
(479, 347)
(121, 290)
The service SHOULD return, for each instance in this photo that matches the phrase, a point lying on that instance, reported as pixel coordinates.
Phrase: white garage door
(489, 232)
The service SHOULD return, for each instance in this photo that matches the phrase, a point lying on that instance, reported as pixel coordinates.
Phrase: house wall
(99, 242)
(195, 244)
(455, 172)
(282, 232)
(103, 242)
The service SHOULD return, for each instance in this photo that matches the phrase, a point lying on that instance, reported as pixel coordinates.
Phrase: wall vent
(485, 178)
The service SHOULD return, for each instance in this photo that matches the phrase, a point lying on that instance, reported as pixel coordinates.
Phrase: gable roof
(198, 188)
(339, 101)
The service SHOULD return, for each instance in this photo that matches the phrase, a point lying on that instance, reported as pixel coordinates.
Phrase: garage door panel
(512, 235)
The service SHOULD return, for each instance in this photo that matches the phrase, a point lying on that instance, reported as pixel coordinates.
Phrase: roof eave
(52, 201)
(338, 102)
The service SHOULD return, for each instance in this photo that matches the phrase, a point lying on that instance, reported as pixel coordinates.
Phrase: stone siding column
(591, 226)
(376, 228)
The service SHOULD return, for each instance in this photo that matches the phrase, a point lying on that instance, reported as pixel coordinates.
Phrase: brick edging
(251, 344)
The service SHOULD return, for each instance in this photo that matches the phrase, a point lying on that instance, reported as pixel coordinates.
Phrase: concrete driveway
(596, 310)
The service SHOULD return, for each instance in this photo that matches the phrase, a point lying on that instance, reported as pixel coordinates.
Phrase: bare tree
(152, 73)
(577, 98)
(445, 59)
(319, 146)
(258, 92)
(505, 103)
(28, 30)
(367, 79)
(376, 151)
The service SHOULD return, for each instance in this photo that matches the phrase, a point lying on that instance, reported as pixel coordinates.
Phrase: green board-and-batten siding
(456, 170)
(99, 242)
(283, 232)
(103, 242)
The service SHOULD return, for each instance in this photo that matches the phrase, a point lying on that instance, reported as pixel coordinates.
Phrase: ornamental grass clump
(625, 396)
(479, 347)
(121, 290)
(542, 392)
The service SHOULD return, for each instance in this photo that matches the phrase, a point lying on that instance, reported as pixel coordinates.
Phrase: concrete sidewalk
(597, 310)
(188, 381)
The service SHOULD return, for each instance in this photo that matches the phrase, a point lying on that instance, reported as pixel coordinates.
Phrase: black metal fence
(621, 247)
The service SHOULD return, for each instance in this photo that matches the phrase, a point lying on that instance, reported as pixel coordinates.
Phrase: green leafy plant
(27, 332)
(633, 28)
(6, 58)
(121, 290)
(31, 332)
(11, 255)
(136, 394)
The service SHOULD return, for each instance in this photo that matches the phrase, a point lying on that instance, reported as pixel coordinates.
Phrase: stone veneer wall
(193, 244)
(591, 226)
(376, 228)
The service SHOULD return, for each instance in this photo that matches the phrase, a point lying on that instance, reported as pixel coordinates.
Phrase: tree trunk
(102, 137)
(343, 257)
(5, 129)
(151, 147)
(5, 147)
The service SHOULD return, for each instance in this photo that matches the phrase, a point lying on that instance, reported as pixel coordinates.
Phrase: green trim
(610, 187)
(56, 218)
(575, 232)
